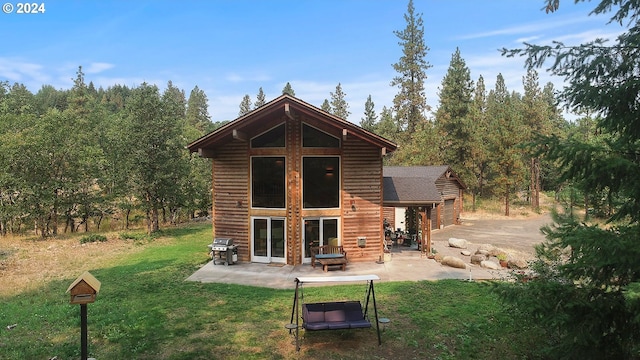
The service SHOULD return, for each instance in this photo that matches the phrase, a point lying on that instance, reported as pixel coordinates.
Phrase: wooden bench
(328, 255)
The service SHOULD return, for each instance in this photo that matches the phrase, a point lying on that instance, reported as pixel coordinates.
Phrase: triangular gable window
(312, 137)
(274, 138)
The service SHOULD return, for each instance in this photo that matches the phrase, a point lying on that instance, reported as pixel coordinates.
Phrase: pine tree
(245, 105)
(453, 118)
(368, 122)
(588, 272)
(410, 104)
(288, 90)
(326, 106)
(505, 136)
(339, 105)
(197, 110)
(260, 99)
(479, 153)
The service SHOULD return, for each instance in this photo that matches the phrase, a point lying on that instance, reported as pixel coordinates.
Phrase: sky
(231, 48)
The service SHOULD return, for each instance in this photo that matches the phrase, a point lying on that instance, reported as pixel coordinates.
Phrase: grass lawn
(146, 310)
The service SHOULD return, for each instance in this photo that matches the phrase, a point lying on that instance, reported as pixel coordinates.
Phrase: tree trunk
(506, 200)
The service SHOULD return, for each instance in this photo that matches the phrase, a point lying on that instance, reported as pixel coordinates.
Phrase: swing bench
(333, 315)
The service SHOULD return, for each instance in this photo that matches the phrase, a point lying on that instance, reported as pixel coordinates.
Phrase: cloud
(97, 67)
(17, 70)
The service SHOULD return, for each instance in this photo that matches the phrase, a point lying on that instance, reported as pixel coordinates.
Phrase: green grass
(146, 310)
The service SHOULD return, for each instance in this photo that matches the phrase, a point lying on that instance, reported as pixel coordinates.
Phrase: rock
(517, 264)
(477, 259)
(465, 252)
(454, 262)
(438, 257)
(486, 247)
(458, 243)
(483, 252)
(488, 264)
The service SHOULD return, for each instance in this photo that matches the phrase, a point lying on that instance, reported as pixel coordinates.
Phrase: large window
(312, 137)
(321, 182)
(273, 138)
(267, 182)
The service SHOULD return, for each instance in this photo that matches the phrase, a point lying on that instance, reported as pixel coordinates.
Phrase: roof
(87, 278)
(414, 185)
(275, 109)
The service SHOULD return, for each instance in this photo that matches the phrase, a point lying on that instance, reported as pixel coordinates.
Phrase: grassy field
(146, 309)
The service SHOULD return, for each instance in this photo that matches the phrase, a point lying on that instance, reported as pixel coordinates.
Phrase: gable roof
(414, 185)
(280, 106)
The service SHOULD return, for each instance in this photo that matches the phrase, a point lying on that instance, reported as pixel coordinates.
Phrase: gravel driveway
(518, 235)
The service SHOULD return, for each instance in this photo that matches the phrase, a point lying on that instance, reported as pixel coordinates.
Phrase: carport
(434, 191)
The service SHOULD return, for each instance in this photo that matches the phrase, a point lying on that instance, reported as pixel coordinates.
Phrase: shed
(437, 189)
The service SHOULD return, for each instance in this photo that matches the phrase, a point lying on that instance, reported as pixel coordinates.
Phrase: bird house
(84, 289)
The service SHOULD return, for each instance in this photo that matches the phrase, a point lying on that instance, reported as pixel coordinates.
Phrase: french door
(268, 240)
(317, 232)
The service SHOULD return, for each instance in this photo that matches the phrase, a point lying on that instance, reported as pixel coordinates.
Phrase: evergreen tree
(368, 122)
(326, 106)
(505, 137)
(339, 105)
(586, 292)
(260, 99)
(479, 153)
(453, 118)
(245, 105)
(197, 110)
(288, 90)
(410, 104)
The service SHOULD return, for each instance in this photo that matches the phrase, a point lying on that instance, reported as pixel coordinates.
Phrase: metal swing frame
(295, 310)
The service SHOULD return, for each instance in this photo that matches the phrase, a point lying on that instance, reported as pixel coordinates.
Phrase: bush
(93, 238)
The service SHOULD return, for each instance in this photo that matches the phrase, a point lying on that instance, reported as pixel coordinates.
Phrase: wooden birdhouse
(84, 289)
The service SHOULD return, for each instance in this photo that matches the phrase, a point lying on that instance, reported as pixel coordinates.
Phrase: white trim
(346, 278)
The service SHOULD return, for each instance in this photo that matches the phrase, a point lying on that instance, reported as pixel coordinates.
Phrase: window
(267, 182)
(312, 137)
(321, 182)
(274, 138)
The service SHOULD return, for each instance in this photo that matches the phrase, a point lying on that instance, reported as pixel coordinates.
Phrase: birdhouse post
(83, 291)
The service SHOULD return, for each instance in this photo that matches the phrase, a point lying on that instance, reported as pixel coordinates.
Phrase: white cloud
(97, 67)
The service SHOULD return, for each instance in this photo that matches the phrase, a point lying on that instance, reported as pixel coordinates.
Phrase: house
(434, 188)
(288, 176)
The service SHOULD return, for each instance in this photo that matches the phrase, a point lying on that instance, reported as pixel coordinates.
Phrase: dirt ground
(517, 236)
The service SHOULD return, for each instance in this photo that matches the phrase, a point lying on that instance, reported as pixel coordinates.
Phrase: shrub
(93, 238)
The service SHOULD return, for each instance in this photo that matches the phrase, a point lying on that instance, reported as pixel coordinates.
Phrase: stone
(465, 252)
(458, 243)
(518, 264)
(483, 252)
(486, 247)
(478, 258)
(454, 262)
(488, 264)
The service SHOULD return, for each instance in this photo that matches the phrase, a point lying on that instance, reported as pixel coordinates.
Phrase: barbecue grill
(223, 251)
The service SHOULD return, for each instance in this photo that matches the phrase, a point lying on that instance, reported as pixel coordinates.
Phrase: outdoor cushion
(329, 256)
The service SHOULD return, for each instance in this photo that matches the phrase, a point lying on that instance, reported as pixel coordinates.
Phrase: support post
(83, 332)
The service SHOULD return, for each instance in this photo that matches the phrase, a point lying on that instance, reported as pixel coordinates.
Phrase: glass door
(268, 240)
(318, 232)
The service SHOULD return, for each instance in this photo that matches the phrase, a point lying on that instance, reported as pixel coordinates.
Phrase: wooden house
(288, 176)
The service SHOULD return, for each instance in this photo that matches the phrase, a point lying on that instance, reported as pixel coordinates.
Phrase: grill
(223, 251)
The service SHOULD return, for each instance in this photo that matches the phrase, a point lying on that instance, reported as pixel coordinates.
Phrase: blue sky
(230, 48)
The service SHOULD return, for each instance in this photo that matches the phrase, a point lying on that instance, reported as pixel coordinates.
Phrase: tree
(453, 119)
(245, 105)
(260, 99)
(479, 153)
(288, 90)
(588, 273)
(368, 122)
(155, 148)
(339, 105)
(197, 110)
(505, 135)
(410, 104)
(326, 106)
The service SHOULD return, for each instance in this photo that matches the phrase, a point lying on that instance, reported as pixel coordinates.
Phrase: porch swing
(333, 315)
